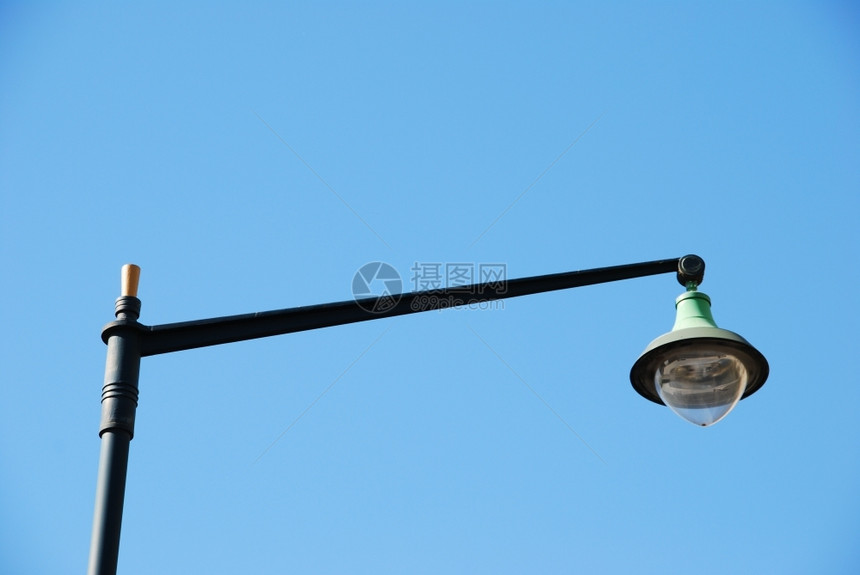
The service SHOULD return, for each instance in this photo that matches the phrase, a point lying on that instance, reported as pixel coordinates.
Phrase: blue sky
(254, 157)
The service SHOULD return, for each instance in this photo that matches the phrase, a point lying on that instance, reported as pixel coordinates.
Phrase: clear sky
(254, 157)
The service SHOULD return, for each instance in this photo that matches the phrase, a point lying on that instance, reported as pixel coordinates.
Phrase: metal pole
(128, 341)
(119, 404)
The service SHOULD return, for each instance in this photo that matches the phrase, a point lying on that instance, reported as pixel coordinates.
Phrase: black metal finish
(642, 372)
(110, 496)
(691, 269)
(202, 333)
(119, 404)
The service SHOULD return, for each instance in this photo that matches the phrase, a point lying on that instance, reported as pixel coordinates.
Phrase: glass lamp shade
(701, 383)
(698, 370)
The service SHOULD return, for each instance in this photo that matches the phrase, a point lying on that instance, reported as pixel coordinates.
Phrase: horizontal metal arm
(172, 337)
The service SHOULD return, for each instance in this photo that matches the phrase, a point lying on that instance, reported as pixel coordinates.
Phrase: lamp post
(699, 370)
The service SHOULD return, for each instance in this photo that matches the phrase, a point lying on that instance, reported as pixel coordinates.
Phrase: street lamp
(699, 370)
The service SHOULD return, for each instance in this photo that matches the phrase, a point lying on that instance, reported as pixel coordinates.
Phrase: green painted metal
(693, 310)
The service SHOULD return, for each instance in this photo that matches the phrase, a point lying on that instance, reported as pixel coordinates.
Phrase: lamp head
(698, 370)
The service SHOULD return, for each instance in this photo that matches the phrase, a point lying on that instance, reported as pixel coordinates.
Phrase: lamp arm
(172, 337)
